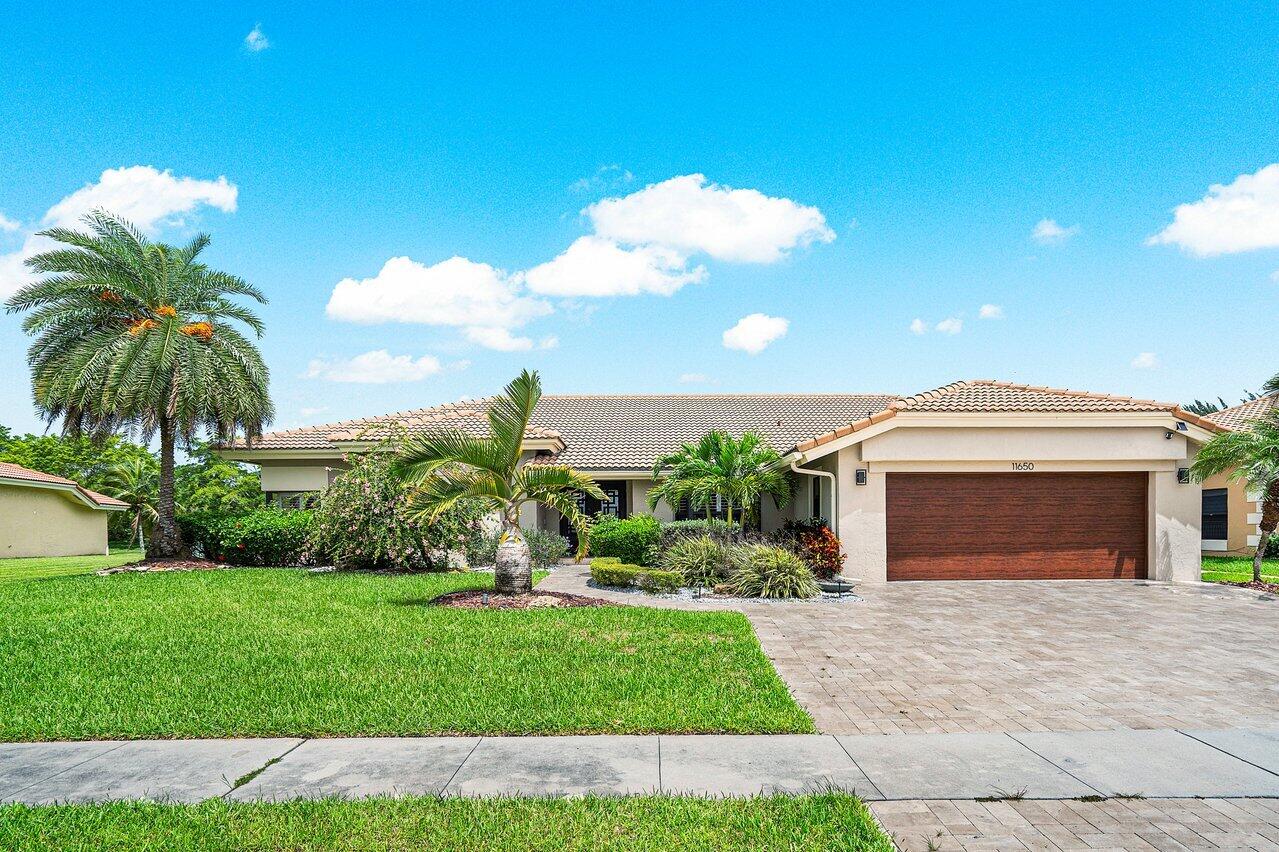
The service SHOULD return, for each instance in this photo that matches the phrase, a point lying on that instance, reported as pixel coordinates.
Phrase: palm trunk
(166, 538)
(513, 571)
(1269, 521)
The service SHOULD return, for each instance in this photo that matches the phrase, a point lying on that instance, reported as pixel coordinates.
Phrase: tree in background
(1250, 455)
(738, 470)
(134, 482)
(136, 336)
(208, 483)
(1206, 407)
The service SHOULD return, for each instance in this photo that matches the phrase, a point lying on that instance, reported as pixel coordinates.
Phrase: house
(1232, 515)
(46, 515)
(974, 480)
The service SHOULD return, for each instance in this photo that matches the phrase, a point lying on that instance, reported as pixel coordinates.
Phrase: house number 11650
(1023, 465)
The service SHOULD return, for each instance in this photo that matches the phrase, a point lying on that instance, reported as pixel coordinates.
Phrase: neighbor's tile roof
(987, 396)
(14, 472)
(607, 432)
(1238, 416)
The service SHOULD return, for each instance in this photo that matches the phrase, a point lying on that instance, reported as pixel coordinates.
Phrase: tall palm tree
(444, 466)
(134, 482)
(1250, 455)
(738, 470)
(136, 336)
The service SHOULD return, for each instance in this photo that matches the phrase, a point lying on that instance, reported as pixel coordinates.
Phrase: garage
(1023, 526)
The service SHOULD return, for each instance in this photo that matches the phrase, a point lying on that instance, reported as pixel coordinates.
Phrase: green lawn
(270, 652)
(823, 821)
(1237, 569)
(63, 566)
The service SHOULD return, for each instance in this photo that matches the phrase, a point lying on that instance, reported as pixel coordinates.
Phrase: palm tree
(134, 482)
(444, 466)
(1271, 386)
(738, 470)
(135, 336)
(1250, 455)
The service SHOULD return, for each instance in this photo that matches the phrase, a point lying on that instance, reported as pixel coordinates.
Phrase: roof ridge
(1109, 397)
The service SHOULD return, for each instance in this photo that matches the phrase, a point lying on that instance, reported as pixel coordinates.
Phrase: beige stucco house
(1231, 514)
(45, 515)
(974, 480)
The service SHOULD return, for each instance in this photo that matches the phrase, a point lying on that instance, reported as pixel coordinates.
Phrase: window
(1216, 517)
(816, 509)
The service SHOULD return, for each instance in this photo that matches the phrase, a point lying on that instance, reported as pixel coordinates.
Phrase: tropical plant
(1251, 456)
(545, 548)
(772, 572)
(814, 542)
(1205, 407)
(445, 466)
(738, 470)
(134, 482)
(136, 336)
(701, 560)
(209, 483)
(1271, 386)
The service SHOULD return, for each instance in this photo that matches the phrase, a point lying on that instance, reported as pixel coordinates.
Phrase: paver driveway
(1029, 656)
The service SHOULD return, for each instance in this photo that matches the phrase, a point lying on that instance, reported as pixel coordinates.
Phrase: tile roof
(1238, 416)
(18, 474)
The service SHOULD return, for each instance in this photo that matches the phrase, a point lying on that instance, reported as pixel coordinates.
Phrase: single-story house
(1232, 514)
(974, 480)
(46, 515)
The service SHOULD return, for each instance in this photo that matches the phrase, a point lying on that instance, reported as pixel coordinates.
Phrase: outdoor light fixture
(1168, 436)
(860, 476)
(1183, 475)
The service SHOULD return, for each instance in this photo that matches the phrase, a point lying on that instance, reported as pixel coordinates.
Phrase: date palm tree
(1249, 455)
(134, 482)
(738, 470)
(444, 466)
(137, 336)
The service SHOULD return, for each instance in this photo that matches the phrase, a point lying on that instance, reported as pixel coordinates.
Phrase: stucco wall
(1243, 516)
(296, 477)
(42, 522)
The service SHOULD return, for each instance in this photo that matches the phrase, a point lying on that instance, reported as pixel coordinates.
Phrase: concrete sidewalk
(1156, 763)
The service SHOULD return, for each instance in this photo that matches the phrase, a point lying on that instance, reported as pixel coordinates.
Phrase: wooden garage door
(1029, 526)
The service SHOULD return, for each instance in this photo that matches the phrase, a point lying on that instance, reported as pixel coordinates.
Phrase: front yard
(265, 652)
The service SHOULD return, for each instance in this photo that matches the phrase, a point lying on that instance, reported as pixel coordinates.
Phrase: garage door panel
(1019, 526)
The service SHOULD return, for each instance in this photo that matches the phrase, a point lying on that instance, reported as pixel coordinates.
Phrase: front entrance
(613, 504)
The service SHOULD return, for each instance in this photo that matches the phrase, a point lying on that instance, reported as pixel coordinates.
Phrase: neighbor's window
(1215, 515)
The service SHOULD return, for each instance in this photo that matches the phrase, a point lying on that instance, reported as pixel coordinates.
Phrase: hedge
(651, 580)
(633, 540)
(271, 537)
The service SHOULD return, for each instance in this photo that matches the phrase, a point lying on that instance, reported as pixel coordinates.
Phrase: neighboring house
(974, 480)
(1232, 515)
(46, 515)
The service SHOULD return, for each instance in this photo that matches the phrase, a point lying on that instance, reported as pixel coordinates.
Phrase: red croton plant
(816, 545)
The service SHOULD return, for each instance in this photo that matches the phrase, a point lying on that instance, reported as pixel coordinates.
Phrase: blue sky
(898, 158)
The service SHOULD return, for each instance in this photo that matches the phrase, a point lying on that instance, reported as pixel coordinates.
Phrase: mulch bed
(480, 599)
(1272, 588)
(161, 565)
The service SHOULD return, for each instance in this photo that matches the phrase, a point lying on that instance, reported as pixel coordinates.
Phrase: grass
(1237, 569)
(40, 568)
(832, 821)
(267, 652)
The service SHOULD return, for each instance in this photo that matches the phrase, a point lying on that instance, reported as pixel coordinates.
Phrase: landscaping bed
(286, 652)
(483, 599)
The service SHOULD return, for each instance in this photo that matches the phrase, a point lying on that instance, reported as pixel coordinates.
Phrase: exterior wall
(298, 477)
(639, 500)
(43, 522)
(1244, 515)
(1174, 538)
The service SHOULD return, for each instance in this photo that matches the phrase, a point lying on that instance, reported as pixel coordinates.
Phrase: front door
(613, 504)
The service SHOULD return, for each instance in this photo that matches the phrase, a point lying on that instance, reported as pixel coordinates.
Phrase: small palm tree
(738, 470)
(135, 336)
(1251, 456)
(444, 466)
(134, 482)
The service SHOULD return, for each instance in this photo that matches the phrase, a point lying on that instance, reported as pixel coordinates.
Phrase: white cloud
(549, 342)
(688, 214)
(693, 379)
(1145, 361)
(256, 41)
(145, 196)
(375, 368)
(1235, 217)
(311, 412)
(1274, 276)
(593, 266)
(918, 326)
(753, 333)
(608, 176)
(454, 292)
(950, 325)
(1048, 232)
(8, 225)
(991, 312)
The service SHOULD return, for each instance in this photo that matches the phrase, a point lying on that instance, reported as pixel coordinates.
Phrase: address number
(1023, 465)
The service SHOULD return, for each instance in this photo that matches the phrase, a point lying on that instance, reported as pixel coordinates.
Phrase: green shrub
(605, 560)
(651, 580)
(658, 582)
(773, 572)
(701, 560)
(633, 540)
(268, 536)
(720, 531)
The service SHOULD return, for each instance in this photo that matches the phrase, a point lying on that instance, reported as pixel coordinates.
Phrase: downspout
(834, 490)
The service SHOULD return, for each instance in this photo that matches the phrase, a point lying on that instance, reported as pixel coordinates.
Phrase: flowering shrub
(363, 521)
(813, 541)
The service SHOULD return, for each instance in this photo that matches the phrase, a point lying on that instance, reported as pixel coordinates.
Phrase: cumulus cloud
(991, 312)
(1048, 232)
(149, 198)
(691, 215)
(454, 292)
(1231, 218)
(8, 225)
(950, 325)
(918, 326)
(256, 41)
(1145, 361)
(755, 332)
(594, 266)
(379, 367)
